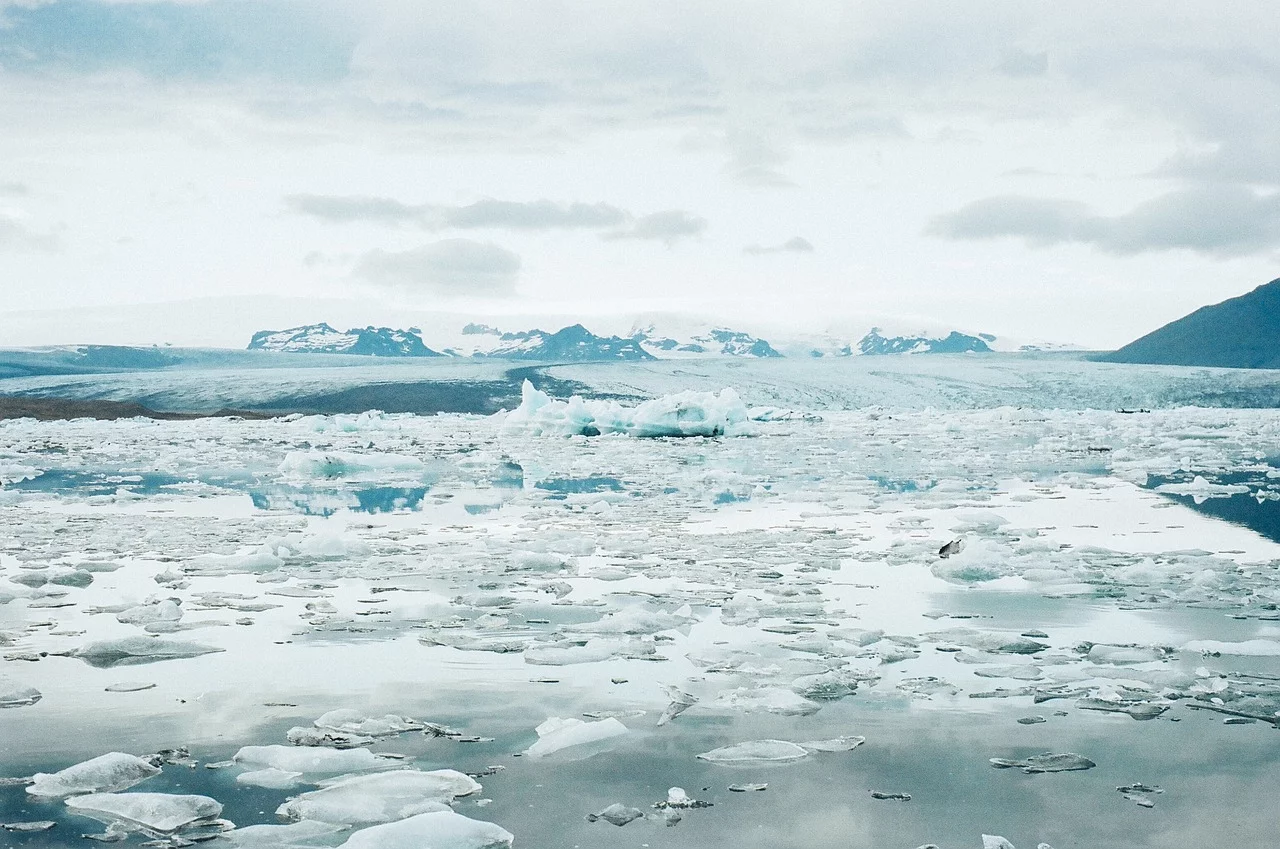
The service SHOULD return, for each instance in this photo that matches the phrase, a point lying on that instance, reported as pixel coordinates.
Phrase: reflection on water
(1257, 508)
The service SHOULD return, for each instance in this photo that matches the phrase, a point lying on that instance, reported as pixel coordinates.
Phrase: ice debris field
(687, 622)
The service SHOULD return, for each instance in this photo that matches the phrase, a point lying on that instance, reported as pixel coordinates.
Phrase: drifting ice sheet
(439, 830)
(105, 773)
(382, 797)
(682, 414)
(556, 734)
(164, 812)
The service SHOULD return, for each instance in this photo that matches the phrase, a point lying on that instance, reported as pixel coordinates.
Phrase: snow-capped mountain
(569, 344)
(955, 342)
(323, 339)
(716, 341)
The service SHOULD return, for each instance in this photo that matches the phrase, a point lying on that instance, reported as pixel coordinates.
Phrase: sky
(187, 172)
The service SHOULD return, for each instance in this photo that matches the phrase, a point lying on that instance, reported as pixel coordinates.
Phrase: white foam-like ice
(681, 414)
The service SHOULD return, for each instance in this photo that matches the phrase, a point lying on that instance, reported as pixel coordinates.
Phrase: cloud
(483, 214)
(13, 189)
(667, 227)
(534, 215)
(1220, 221)
(1020, 63)
(447, 267)
(16, 235)
(345, 209)
(794, 245)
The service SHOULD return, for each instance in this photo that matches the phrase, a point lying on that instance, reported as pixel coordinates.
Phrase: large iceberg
(159, 812)
(438, 830)
(683, 414)
(105, 773)
(381, 797)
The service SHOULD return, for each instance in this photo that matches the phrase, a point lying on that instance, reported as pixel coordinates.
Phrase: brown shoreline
(60, 409)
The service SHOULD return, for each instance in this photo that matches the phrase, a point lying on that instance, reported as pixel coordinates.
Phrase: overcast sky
(1078, 172)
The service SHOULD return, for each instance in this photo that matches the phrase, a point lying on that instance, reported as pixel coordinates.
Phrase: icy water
(685, 594)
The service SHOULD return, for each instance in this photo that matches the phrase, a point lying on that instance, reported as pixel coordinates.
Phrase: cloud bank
(1220, 221)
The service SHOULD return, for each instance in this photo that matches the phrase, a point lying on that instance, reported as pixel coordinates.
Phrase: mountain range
(576, 343)
(1241, 332)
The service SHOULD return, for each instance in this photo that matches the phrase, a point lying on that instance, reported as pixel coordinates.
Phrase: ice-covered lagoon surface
(786, 584)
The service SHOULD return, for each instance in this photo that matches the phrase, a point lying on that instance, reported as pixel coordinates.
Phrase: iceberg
(308, 760)
(298, 835)
(382, 797)
(130, 651)
(341, 464)
(105, 773)
(682, 414)
(555, 734)
(436, 830)
(161, 812)
(14, 695)
(756, 751)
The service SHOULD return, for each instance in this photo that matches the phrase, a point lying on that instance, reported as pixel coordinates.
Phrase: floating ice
(835, 744)
(617, 814)
(772, 699)
(271, 778)
(348, 721)
(1245, 648)
(161, 610)
(556, 734)
(1201, 490)
(339, 464)
(162, 812)
(682, 414)
(310, 761)
(15, 695)
(129, 651)
(1047, 762)
(437, 830)
(28, 827)
(299, 835)
(382, 797)
(105, 773)
(756, 751)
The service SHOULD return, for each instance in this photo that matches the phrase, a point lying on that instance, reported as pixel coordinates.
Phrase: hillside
(1242, 332)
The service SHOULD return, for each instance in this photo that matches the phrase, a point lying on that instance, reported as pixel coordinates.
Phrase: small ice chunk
(756, 751)
(1244, 648)
(1047, 762)
(555, 734)
(835, 744)
(164, 610)
(436, 830)
(105, 773)
(350, 721)
(29, 827)
(993, 841)
(749, 788)
(772, 699)
(310, 761)
(382, 797)
(618, 814)
(271, 778)
(130, 651)
(298, 835)
(15, 695)
(163, 812)
(679, 702)
(129, 686)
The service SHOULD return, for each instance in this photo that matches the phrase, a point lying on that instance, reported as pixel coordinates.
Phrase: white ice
(681, 414)
(163, 812)
(105, 773)
(556, 734)
(382, 797)
(438, 830)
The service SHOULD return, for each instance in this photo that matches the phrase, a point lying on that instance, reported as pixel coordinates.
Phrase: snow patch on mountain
(323, 339)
